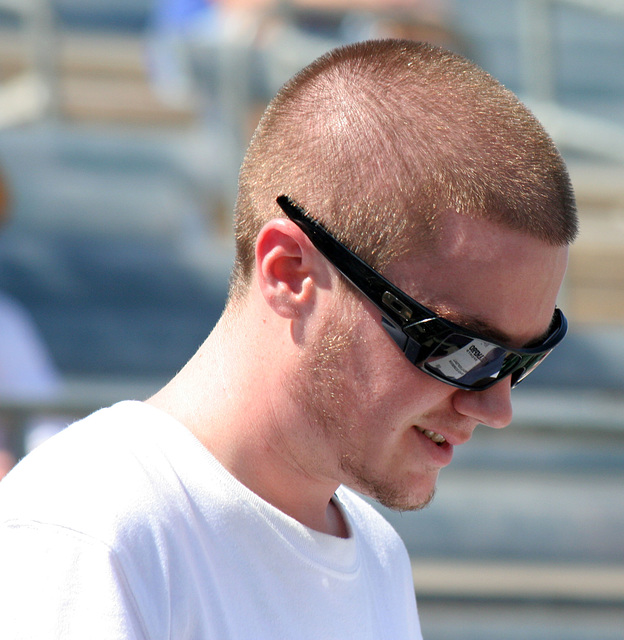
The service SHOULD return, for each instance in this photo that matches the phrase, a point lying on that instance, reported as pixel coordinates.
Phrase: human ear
(286, 267)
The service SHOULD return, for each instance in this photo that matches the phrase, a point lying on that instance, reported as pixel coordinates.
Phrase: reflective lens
(476, 363)
(466, 360)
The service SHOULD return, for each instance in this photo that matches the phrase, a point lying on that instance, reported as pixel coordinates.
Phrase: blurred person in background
(225, 59)
(27, 371)
(191, 42)
(224, 505)
(183, 31)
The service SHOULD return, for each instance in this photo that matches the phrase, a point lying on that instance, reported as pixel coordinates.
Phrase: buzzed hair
(378, 139)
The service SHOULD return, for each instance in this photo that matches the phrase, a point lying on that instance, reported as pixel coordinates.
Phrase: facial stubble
(325, 388)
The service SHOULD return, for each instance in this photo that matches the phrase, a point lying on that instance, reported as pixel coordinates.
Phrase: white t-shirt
(125, 526)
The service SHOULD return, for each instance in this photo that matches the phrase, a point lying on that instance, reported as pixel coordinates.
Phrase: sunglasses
(442, 349)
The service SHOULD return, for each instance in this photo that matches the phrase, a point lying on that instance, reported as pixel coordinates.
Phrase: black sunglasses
(447, 351)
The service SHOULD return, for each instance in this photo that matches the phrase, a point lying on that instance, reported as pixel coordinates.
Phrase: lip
(440, 454)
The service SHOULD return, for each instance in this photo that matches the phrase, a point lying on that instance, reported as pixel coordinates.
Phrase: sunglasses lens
(470, 361)
(528, 364)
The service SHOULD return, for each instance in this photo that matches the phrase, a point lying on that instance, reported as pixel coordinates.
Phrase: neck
(233, 401)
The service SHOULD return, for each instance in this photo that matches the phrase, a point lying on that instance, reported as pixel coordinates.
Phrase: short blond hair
(379, 138)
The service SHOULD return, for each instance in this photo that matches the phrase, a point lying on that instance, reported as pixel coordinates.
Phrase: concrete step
(594, 291)
(518, 581)
(95, 77)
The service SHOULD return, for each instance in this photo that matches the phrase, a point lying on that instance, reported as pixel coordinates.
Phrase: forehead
(482, 275)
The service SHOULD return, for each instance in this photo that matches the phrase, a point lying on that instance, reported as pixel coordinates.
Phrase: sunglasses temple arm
(391, 301)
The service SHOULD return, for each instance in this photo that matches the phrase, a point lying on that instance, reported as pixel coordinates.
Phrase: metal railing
(568, 411)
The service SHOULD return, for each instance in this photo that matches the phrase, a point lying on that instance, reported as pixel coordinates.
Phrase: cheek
(371, 378)
(376, 375)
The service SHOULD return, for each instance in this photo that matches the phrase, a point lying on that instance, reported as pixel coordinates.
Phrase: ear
(288, 268)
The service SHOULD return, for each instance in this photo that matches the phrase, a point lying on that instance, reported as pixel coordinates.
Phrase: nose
(491, 407)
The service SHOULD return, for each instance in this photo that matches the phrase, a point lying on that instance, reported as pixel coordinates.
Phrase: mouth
(438, 438)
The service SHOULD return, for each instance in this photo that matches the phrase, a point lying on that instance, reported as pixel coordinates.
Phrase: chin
(397, 499)
(405, 503)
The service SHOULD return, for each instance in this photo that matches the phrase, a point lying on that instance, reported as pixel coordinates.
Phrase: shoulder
(103, 503)
(102, 475)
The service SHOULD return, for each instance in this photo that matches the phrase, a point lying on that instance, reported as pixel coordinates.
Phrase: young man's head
(435, 175)
(381, 139)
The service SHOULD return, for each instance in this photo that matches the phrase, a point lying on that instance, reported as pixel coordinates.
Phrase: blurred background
(122, 126)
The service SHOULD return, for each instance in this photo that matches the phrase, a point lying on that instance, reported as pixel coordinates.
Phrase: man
(218, 508)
